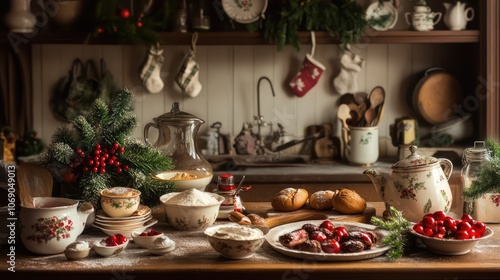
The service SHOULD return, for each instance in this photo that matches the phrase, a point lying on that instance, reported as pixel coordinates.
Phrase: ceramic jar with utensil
(361, 145)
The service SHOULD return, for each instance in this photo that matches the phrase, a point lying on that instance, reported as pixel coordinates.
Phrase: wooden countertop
(195, 259)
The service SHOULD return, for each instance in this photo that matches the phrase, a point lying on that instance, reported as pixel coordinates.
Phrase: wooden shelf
(257, 38)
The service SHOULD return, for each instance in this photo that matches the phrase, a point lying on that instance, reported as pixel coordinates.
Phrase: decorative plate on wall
(381, 16)
(244, 11)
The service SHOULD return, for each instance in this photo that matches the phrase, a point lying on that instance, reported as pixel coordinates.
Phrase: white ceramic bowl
(199, 183)
(74, 253)
(233, 248)
(447, 246)
(144, 241)
(117, 206)
(191, 217)
(108, 251)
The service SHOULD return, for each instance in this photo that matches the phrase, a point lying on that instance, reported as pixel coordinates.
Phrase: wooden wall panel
(229, 76)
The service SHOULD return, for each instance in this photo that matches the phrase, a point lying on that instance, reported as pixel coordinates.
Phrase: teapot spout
(379, 180)
(447, 6)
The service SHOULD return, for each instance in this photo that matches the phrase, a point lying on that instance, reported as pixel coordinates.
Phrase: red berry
(462, 234)
(111, 161)
(143, 234)
(115, 146)
(428, 232)
(112, 151)
(439, 215)
(90, 162)
(116, 164)
(331, 246)
(418, 228)
(139, 24)
(464, 226)
(98, 146)
(480, 228)
(95, 169)
(428, 222)
(438, 235)
(318, 235)
(325, 224)
(125, 167)
(467, 218)
(121, 150)
(85, 169)
(120, 238)
(102, 170)
(119, 170)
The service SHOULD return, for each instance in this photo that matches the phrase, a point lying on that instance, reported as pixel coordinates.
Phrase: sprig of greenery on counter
(398, 238)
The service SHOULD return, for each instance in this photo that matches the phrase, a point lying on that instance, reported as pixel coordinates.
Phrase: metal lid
(478, 152)
(176, 115)
(414, 160)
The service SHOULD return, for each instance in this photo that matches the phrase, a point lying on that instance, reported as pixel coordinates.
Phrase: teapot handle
(407, 17)
(146, 132)
(437, 18)
(447, 167)
(469, 14)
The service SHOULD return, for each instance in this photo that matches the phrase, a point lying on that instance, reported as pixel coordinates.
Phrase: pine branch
(98, 113)
(61, 152)
(152, 189)
(86, 131)
(398, 238)
(488, 181)
(65, 135)
(494, 147)
(147, 159)
(120, 130)
(91, 186)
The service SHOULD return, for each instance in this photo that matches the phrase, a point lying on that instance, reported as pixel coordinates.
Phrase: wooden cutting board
(331, 214)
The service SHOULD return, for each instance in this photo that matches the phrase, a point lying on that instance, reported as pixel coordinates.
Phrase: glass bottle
(471, 160)
(200, 18)
(180, 17)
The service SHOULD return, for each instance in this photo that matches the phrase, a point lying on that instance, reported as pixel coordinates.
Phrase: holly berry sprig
(101, 160)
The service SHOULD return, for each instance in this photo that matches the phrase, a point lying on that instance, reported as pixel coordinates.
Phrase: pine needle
(398, 238)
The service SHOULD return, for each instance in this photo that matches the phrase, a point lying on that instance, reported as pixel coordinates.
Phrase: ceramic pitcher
(457, 16)
(52, 224)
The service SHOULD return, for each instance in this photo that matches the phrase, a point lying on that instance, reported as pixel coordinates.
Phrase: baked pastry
(347, 201)
(321, 200)
(290, 199)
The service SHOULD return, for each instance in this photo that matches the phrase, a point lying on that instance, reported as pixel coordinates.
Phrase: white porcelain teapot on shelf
(457, 16)
(422, 17)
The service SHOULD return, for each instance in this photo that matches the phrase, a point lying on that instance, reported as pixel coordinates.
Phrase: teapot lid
(177, 115)
(414, 160)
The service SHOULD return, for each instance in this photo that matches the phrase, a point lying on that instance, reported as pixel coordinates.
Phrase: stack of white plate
(124, 225)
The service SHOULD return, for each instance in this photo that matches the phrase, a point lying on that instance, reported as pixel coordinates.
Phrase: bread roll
(321, 200)
(348, 201)
(290, 199)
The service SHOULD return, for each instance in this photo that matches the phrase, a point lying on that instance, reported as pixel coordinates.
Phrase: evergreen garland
(488, 180)
(106, 130)
(344, 19)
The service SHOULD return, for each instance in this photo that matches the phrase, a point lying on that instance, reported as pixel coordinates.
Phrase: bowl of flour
(191, 209)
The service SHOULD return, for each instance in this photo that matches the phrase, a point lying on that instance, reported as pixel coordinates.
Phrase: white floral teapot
(422, 18)
(418, 185)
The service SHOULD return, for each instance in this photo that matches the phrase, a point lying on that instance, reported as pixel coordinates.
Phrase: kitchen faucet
(259, 119)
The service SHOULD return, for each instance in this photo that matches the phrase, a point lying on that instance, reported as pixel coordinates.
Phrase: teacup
(120, 202)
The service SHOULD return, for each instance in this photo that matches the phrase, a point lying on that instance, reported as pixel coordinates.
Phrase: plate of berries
(324, 240)
(445, 235)
(110, 246)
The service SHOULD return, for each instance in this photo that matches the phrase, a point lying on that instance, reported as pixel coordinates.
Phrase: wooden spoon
(344, 113)
(379, 115)
(377, 97)
(347, 98)
(34, 181)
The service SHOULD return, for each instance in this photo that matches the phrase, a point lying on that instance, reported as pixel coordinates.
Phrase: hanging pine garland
(98, 152)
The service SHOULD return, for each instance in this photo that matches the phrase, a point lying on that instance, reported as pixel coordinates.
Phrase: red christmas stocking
(309, 74)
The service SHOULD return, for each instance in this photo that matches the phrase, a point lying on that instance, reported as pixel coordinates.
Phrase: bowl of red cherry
(110, 246)
(146, 238)
(445, 235)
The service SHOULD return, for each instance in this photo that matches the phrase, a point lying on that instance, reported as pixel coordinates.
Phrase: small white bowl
(75, 252)
(191, 218)
(233, 248)
(144, 241)
(199, 183)
(448, 246)
(118, 204)
(161, 246)
(108, 251)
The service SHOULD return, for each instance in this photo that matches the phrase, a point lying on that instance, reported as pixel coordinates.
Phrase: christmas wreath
(98, 152)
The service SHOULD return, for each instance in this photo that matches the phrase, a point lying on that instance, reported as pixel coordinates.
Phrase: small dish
(381, 16)
(108, 251)
(77, 250)
(161, 246)
(448, 246)
(145, 241)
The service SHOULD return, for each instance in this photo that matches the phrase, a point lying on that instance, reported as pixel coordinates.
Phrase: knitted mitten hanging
(150, 73)
(309, 74)
(188, 75)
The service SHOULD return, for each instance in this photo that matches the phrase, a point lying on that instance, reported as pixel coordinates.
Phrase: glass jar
(472, 160)
(200, 18)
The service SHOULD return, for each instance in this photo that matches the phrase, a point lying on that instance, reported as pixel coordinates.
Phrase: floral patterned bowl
(232, 247)
(120, 201)
(191, 218)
